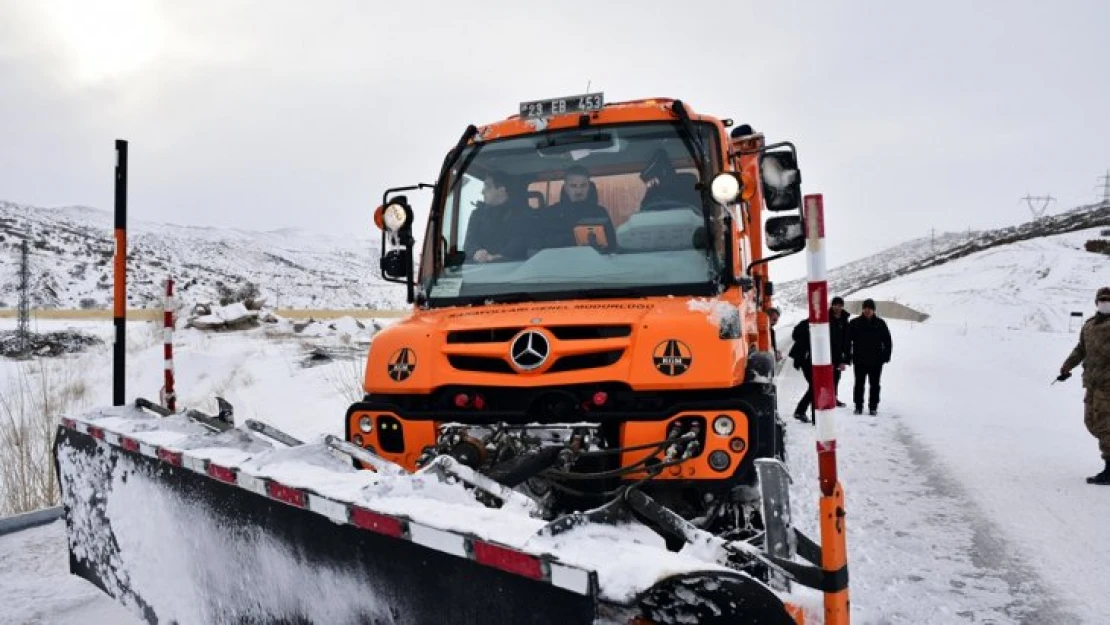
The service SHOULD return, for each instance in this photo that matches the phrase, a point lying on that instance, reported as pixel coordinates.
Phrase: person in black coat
(773, 315)
(666, 188)
(495, 227)
(838, 335)
(577, 205)
(803, 360)
(870, 348)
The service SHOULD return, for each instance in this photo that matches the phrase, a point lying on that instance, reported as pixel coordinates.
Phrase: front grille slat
(581, 333)
(563, 333)
(480, 364)
(483, 335)
(576, 362)
(579, 362)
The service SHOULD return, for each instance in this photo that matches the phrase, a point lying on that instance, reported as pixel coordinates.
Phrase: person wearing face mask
(1093, 351)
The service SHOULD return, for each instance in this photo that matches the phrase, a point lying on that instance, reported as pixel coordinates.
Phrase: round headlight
(395, 217)
(365, 424)
(718, 460)
(725, 188)
(724, 425)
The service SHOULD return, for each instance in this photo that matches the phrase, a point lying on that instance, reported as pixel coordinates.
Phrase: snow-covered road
(965, 496)
(37, 589)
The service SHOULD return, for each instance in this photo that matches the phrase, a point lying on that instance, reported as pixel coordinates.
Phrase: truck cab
(591, 278)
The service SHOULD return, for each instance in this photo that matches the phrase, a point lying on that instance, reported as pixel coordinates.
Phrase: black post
(120, 291)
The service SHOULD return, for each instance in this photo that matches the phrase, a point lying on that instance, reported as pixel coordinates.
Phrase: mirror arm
(748, 270)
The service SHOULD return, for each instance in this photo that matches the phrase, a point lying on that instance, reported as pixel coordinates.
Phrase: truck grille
(576, 362)
(563, 333)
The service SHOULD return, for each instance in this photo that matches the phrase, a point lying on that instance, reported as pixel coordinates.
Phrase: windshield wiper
(694, 145)
(507, 298)
(470, 132)
(693, 142)
(530, 296)
(613, 292)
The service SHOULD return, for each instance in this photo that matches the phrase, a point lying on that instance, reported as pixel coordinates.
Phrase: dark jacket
(800, 352)
(681, 188)
(870, 342)
(838, 336)
(498, 230)
(555, 224)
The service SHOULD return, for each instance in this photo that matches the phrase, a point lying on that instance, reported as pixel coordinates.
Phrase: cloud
(271, 114)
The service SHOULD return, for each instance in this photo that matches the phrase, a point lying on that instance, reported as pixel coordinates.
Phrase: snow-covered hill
(71, 262)
(1034, 284)
(924, 253)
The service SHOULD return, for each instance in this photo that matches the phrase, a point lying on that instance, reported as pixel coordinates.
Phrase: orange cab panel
(385, 434)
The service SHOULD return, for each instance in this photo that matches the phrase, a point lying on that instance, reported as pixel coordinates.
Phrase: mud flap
(779, 540)
(175, 546)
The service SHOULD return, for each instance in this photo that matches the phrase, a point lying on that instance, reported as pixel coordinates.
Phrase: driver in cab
(666, 188)
(494, 231)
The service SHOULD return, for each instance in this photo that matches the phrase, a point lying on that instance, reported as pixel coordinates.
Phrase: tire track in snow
(919, 550)
(1033, 601)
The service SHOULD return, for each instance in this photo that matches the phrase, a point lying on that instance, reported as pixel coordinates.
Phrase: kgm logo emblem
(672, 357)
(401, 364)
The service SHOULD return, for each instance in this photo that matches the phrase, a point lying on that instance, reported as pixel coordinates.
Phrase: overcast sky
(272, 114)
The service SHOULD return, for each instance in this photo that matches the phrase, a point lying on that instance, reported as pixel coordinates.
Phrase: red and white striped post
(169, 399)
(834, 551)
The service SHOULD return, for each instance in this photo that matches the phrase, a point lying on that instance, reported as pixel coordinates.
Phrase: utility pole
(1042, 202)
(933, 238)
(1104, 186)
(23, 327)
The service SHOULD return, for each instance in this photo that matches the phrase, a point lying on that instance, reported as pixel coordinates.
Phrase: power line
(1042, 203)
(1105, 186)
(23, 327)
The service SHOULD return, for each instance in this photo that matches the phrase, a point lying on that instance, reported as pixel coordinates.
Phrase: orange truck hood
(671, 343)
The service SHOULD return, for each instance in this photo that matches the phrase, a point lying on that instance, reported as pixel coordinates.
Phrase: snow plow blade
(187, 525)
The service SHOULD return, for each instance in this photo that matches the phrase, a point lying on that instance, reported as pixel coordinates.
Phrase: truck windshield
(610, 209)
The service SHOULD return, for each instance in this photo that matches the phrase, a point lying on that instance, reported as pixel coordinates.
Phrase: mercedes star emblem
(529, 350)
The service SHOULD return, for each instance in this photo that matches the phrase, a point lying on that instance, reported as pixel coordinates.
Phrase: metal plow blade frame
(178, 540)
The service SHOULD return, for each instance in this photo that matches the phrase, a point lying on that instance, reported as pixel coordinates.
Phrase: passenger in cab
(497, 223)
(577, 209)
(666, 188)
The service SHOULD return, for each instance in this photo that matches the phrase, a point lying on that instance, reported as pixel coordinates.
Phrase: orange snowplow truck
(588, 309)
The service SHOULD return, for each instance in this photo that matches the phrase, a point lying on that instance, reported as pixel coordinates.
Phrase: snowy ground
(1033, 285)
(965, 496)
(264, 373)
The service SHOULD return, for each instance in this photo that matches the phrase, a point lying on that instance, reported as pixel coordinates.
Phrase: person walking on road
(870, 347)
(838, 336)
(803, 360)
(773, 315)
(1093, 352)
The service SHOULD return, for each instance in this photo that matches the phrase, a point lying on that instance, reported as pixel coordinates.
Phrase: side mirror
(785, 233)
(395, 264)
(782, 181)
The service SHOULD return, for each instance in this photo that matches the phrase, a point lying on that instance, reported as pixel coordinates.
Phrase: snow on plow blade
(180, 527)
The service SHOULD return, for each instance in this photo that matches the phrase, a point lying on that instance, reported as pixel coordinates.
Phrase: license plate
(561, 106)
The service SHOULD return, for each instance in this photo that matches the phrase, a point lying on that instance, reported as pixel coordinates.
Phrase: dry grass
(346, 375)
(31, 402)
